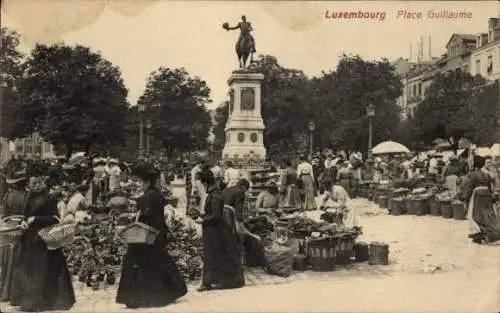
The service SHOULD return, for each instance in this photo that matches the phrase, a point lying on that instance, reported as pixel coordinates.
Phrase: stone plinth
(245, 127)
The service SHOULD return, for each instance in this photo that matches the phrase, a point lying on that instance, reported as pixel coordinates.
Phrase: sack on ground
(279, 260)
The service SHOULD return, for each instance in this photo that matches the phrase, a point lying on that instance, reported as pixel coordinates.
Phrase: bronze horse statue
(244, 49)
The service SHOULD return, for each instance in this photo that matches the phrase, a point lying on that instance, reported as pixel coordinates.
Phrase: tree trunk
(87, 148)
(69, 150)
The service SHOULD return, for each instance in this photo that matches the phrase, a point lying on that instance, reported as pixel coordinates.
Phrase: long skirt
(346, 184)
(291, 198)
(41, 279)
(483, 220)
(309, 202)
(149, 278)
(9, 256)
(222, 265)
(451, 183)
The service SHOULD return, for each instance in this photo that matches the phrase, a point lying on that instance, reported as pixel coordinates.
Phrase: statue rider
(245, 29)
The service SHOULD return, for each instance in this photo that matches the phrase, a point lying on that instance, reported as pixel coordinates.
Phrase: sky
(139, 36)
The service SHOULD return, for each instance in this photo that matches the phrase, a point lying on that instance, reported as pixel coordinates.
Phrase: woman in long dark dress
(41, 280)
(13, 204)
(222, 267)
(149, 276)
(476, 190)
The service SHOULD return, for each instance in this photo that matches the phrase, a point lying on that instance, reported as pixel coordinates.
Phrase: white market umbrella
(389, 147)
(495, 149)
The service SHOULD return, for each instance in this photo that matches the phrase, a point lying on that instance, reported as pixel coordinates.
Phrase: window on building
(19, 148)
(478, 67)
(489, 67)
(419, 89)
(414, 90)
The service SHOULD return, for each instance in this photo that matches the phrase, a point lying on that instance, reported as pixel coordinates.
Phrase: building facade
(485, 59)
(29, 147)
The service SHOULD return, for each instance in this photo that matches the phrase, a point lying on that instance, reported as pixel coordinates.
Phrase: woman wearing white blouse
(306, 175)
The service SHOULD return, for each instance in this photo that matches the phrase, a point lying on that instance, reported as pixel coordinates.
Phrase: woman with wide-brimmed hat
(12, 205)
(42, 281)
(268, 198)
(150, 277)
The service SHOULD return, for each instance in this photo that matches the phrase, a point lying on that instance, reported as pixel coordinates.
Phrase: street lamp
(370, 112)
(142, 109)
(148, 127)
(312, 126)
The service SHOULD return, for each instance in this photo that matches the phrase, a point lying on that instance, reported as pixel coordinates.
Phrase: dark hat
(145, 171)
(35, 170)
(16, 177)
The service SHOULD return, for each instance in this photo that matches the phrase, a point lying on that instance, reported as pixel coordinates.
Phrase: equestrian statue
(245, 46)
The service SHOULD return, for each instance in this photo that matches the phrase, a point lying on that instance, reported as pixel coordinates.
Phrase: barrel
(361, 252)
(446, 210)
(397, 206)
(459, 210)
(300, 262)
(410, 206)
(379, 253)
(434, 206)
(421, 206)
(383, 201)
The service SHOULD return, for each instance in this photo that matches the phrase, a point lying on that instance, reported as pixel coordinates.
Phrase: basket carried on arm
(10, 229)
(58, 235)
(139, 233)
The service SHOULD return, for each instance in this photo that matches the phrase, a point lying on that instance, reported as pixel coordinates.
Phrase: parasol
(389, 147)
(495, 149)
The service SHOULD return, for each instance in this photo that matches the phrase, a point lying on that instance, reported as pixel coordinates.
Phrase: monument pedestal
(245, 127)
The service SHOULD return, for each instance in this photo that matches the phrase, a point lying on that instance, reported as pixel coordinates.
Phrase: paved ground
(433, 268)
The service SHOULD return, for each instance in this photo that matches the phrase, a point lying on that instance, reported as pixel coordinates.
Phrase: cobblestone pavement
(433, 268)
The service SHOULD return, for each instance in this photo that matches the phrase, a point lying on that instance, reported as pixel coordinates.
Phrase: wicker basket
(321, 254)
(10, 231)
(446, 210)
(300, 262)
(379, 253)
(58, 235)
(139, 233)
(362, 252)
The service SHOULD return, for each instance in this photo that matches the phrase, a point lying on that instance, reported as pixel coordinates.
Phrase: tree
(485, 116)
(285, 106)
(176, 105)
(10, 65)
(340, 99)
(72, 96)
(221, 116)
(446, 111)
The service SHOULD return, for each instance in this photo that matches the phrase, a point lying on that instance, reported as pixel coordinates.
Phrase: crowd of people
(44, 193)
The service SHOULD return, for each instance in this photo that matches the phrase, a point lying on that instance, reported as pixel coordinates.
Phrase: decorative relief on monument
(231, 100)
(247, 99)
(241, 137)
(254, 138)
(227, 137)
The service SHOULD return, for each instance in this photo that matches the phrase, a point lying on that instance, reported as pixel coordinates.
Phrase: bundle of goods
(261, 226)
(445, 199)
(397, 202)
(417, 202)
(279, 259)
(301, 226)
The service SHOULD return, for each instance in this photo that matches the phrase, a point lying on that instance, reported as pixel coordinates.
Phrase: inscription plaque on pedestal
(247, 99)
